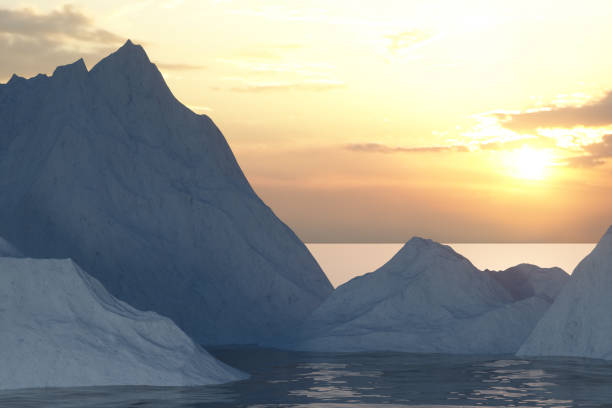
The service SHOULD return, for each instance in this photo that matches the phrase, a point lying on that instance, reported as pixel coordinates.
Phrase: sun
(530, 164)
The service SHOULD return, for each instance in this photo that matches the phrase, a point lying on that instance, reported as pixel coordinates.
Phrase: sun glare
(529, 163)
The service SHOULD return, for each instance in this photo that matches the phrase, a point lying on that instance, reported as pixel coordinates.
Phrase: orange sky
(471, 121)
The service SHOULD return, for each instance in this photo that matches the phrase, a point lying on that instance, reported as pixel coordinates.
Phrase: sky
(355, 121)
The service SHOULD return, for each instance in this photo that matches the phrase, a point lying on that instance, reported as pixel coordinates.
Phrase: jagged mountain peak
(76, 68)
(15, 78)
(133, 51)
(128, 58)
(129, 44)
(129, 76)
(73, 73)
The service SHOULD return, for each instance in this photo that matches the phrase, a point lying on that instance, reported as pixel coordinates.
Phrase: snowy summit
(106, 167)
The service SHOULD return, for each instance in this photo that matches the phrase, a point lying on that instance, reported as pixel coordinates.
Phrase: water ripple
(284, 379)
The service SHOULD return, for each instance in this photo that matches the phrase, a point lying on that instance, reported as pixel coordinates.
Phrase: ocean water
(297, 379)
(289, 379)
(342, 262)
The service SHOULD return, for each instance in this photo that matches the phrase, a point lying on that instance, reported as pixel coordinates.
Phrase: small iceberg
(430, 299)
(60, 328)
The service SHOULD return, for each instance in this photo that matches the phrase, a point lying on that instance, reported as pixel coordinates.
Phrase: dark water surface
(285, 379)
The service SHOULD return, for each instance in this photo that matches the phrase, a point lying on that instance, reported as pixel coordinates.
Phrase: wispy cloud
(312, 15)
(578, 128)
(312, 69)
(596, 113)
(65, 23)
(44, 40)
(595, 154)
(540, 142)
(537, 142)
(179, 67)
(29, 38)
(270, 68)
(405, 40)
(307, 85)
(382, 148)
(267, 52)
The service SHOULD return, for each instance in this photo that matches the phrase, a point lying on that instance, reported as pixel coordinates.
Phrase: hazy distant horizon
(344, 261)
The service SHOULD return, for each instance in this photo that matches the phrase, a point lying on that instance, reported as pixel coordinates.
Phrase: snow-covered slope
(427, 298)
(60, 328)
(579, 322)
(106, 167)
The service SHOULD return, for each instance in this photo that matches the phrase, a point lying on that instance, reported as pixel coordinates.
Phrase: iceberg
(60, 328)
(430, 299)
(579, 322)
(526, 280)
(107, 168)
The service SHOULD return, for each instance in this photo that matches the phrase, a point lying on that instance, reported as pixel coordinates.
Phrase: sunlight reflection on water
(285, 379)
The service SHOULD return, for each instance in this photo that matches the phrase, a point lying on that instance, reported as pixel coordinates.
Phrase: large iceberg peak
(127, 77)
(133, 51)
(129, 58)
(117, 174)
